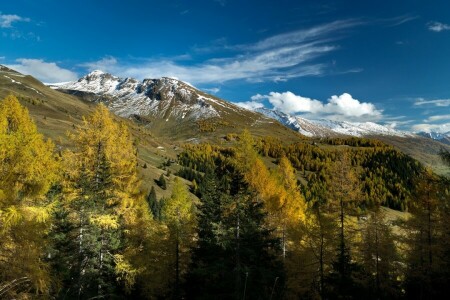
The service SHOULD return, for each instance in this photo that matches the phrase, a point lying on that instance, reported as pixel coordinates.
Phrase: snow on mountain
(168, 98)
(327, 128)
(164, 97)
(441, 137)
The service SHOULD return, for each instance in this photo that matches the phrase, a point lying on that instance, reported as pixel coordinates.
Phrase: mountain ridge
(129, 96)
(168, 99)
(330, 128)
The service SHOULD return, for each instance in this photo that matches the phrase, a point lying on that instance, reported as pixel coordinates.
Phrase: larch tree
(292, 206)
(101, 189)
(27, 170)
(343, 193)
(380, 257)
(179, 215)
(428, 256)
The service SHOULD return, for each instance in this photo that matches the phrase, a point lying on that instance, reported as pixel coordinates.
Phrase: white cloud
(347, 106)
(250, 105)
(437, 118)
(343, 107)
(290, 103)
(278, 58)
(258, 97)
(438, 26)
(303, 36)
(6, 21)
(213, 90)
(396, 21)
(274, 65)
(441, 128)
(107, 64)
(48, 72)
(437, 102)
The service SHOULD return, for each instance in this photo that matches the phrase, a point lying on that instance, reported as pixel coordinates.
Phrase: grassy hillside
(157, 139)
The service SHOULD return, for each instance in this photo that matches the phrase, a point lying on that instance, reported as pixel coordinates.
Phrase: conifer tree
(207, 272)
(154, 204)
(101, 191)
(27, 170)
(380, 258)
(178, 214)
(428, 258)
(343, 192)
(236, 253)
(162, 182)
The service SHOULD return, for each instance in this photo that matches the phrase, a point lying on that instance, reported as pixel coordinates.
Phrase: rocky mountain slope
(168, 106)
(441, 137)
(164, 97)
(329, 128)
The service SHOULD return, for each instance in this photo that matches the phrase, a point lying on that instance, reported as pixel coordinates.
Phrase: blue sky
(382, 61)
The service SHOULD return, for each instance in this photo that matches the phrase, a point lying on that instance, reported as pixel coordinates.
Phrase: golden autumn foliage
(27, 170)
(102, 193)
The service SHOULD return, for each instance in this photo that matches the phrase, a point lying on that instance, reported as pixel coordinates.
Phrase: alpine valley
(176, 110)
(155, 189)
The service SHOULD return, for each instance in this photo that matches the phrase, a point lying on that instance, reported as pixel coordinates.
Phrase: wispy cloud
(441, 128)
(437, 102)
(48, 72)
(250, 105)
(399, 20)
(438, 26)
(213, 90)
(319, 34)
(437, 118)
(343, 107)
(277, 58)
(7, 21)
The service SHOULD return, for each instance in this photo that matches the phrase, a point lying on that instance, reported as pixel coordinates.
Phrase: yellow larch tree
(27, 170)
(102, 193)
(179, 215)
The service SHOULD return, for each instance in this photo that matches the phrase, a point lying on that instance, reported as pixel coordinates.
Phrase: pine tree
(27, 170)
(162, 182)
(236, 253)
(207, 272)
(154, 204)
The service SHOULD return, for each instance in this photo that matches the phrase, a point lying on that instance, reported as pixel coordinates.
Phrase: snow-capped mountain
(329, 128)
(168, 98)
(441, 137)
(164, 97)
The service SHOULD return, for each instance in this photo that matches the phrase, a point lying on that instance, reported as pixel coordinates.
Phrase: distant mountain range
(329, 128)
(441, 137)
(168, 98)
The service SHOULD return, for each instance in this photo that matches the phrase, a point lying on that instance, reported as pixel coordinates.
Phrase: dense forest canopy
(255, 219)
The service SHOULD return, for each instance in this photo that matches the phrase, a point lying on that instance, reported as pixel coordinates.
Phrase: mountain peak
(96, 73)
(164, 97)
